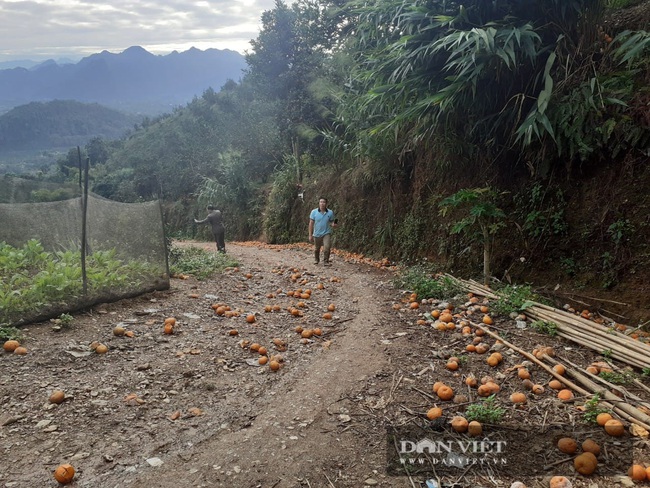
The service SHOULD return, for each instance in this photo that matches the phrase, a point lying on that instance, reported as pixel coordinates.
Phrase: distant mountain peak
(136, 51)
(132, 80)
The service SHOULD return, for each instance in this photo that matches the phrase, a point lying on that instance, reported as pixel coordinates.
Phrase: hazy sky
(42, 29)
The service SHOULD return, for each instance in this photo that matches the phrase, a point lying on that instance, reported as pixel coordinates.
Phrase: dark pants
(326, 243)
(220, 238)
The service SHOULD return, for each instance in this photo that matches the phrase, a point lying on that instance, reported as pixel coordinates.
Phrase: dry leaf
(133, 400)
(645, 410)
(195, 411)
(638, 431)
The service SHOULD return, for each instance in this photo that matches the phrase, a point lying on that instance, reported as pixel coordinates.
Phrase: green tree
(478, 211)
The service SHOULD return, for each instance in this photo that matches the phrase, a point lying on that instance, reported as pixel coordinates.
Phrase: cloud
(38, 29)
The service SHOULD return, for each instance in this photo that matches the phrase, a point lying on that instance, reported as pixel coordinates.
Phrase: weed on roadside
(545, 327)
(8, 332)
(423, 281)
(486, 411)
(592, 409)
(198, 262)
(514, 299)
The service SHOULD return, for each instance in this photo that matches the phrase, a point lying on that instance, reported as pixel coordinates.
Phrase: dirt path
(298, 436)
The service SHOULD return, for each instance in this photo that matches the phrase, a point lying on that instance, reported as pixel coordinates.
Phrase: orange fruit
(590, 445)
(487, 320)
(250, 318)
(21, 351)
(445, 392)
(602, 418)
(494, 359)
(459, 424)
(567, 445)
(327, 315)
(262, 351)
(274, 365)
(614, 428)
(518, 397)
(437, 385)
(565, 395)
(537, 389)
(523, 374)
(434, 413)
(555, 385)
(64, 474)
(585, 463)
(11, 345)
(452, 365)
(484, 391)
(637, 472)
(474, 428)
(101, 349)
(446, 317)
(263, 360)
(57, 397)
(559, 369)
(560, 482)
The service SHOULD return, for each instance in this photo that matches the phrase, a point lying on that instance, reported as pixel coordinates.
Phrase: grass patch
(617, 378)
(545, 327)
(593, 409)
(427, 284)
(486, 411)
(198, 262)
(8, 333)
(514, 299)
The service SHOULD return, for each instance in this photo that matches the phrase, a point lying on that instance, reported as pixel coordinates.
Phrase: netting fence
(47, 267)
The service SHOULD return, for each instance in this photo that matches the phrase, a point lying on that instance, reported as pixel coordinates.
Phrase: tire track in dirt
(302, 434)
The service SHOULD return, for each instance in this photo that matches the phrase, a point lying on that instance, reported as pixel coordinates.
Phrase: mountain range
(135, 80)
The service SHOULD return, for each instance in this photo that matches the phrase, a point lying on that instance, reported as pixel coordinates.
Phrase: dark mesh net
(40, 255)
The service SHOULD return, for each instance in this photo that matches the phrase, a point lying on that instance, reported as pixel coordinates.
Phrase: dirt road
(197, 409)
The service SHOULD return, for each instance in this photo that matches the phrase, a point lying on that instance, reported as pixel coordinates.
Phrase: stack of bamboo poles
(594, 336)
(581, 331)
(586, 386)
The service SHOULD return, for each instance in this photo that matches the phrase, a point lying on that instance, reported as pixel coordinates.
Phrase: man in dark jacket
(215, 220)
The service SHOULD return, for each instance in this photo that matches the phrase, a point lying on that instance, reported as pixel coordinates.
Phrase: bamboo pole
(624, 410)
(581, 331)
(620, 407)
(621, 389)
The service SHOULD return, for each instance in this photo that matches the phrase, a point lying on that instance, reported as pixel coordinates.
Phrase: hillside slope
(60, 124)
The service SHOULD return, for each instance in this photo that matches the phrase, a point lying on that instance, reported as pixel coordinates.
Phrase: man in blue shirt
(321, 223)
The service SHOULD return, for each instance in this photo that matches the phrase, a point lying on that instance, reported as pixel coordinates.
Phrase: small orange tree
(480, 212)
